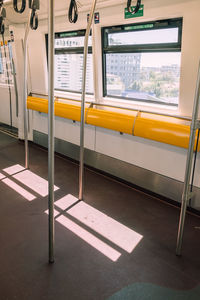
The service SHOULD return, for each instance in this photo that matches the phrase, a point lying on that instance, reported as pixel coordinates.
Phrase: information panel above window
(141, 62)
(69, 48)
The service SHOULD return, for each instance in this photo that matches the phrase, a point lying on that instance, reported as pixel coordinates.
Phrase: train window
(142, 61)
(69, 48)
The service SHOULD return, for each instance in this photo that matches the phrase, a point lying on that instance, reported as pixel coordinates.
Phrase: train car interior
(99, 150)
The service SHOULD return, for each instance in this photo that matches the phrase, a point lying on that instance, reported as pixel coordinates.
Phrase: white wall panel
(160, 158)
(5, 106)
(40, 122)
(65, 130)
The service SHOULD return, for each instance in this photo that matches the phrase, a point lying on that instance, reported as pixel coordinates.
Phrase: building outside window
(149, 55)
(6, 66)
(69, 48)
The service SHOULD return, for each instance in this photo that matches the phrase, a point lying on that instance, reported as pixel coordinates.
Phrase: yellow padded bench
(168, 130)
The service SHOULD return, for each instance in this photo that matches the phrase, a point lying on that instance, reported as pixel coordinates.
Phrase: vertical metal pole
(26, 94)
(7, 72)
(194, 167)
(51, 129)
(13, 71)
(185, 195)
(82, 128)
(15, 86)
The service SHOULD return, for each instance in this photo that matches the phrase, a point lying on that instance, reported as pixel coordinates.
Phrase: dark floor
(80, 271)
(9, 129)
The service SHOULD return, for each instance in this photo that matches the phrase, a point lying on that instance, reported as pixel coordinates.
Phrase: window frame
(70, 50)
(140, 48)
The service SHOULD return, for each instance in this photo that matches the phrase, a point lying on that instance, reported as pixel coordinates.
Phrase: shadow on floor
(146, 291)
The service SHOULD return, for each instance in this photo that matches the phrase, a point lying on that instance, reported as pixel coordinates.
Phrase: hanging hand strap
(2, 26)
(73, 12)
(23, 6)
(34, 20)
(34, 5)
(2, 17)
(135, 10)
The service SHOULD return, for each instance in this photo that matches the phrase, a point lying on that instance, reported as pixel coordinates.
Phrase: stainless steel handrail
(26, 93)
(186, 196)
(82, 127)
(51, 158)
(187, 118)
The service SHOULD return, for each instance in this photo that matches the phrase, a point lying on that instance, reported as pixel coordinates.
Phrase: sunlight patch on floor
(13, 169)
(28, 179)
(2, 176)
(99, 230)
(88, 237)
(112, 230)
(66, 202)
(28, 196)
(34, 182)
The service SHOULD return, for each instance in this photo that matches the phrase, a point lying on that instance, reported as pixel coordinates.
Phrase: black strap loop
(23, 6)
(2, 17)
(2, 26)
(34, 20)
(135, 10)
(73, 12)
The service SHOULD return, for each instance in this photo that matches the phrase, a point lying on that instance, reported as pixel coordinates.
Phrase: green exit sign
(140, 13)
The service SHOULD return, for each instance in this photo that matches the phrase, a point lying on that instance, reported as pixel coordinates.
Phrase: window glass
(144, 76)
(69, 71)
(6, 70)
(142, 62)
(159, 36)
(69, 49)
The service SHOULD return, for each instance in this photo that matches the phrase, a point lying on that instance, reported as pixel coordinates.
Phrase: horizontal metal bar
(186, 118)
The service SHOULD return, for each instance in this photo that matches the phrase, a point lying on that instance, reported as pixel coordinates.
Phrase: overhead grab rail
(136, 9)
(73, 12)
